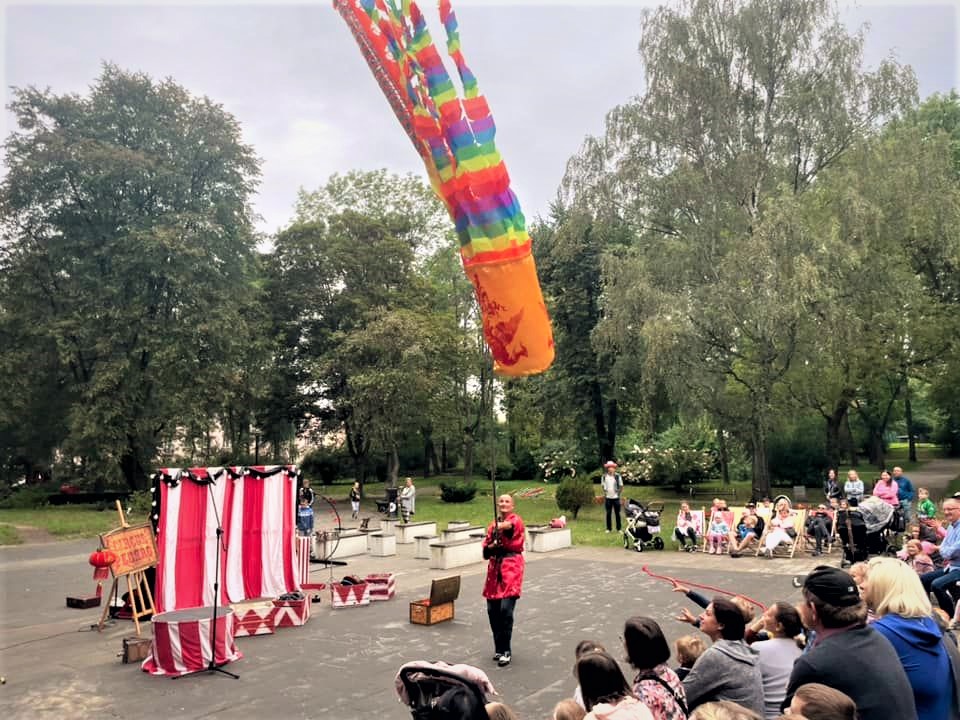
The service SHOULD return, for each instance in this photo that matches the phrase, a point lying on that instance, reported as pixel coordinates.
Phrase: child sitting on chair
(717, 533)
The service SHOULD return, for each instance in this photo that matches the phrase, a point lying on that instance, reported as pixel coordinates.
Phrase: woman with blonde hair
(903, 611)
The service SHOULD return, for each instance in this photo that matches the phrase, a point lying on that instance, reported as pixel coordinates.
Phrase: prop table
(181, 641)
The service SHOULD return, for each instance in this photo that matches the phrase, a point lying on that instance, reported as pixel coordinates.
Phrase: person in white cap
(612, 484)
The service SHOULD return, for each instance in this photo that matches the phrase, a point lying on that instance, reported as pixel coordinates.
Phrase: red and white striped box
(304, 544)
(254, 618)
(349, 595)
(383, 586)
(291, 613)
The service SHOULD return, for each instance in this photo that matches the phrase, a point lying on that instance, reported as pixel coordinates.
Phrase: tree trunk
(760, 465)
(908, 411)
(429, 451)
(468, 443)
(834, 428)
(444, 462)
(877, 451)
(851, 443)
(393, 466)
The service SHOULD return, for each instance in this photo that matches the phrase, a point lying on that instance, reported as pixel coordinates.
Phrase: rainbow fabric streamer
(455, 138)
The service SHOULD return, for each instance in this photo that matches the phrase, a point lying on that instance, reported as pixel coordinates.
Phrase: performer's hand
(677, 587)
(687, 617)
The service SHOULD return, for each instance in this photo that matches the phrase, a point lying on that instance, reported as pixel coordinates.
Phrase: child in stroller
(440, 691)
(643, 526)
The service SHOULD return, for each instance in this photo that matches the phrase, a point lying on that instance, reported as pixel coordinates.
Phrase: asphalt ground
(343, 662)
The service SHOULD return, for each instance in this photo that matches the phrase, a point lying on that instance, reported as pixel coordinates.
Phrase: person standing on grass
(612, 485)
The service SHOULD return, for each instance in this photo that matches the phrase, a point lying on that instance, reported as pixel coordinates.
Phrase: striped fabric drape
(256, 507)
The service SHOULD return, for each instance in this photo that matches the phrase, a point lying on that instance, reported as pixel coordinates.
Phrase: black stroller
(643, 526)
(438, 691)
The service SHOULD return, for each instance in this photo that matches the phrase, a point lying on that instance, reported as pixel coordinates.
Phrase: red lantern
(101, 561)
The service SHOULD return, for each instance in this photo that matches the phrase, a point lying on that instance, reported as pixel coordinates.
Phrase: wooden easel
(141, 597)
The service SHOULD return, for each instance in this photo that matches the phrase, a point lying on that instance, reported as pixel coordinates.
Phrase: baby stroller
(883, 522)
(439, 691)
(643, 526)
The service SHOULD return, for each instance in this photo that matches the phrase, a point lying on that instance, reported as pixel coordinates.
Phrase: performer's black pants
(613, 504)
(500, 613)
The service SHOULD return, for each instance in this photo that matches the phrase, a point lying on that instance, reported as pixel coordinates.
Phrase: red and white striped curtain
(257, 509)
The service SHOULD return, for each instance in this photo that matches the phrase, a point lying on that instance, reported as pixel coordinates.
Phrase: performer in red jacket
(503, 548)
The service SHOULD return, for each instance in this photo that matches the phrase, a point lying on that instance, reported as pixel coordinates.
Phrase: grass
(9, 535)
(65, 522)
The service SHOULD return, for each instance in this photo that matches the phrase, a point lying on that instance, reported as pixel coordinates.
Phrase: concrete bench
(389, 525)
(457, 524)
(406, 534)
(422, 549)
(462, 533)
(456, 553)
(546, 539)
(351, 543)
(382, 544)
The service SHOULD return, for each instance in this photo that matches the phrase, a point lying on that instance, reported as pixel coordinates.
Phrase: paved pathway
(935, 474)
(342, 663)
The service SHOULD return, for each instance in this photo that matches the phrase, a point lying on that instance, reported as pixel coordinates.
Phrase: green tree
(127, 237)
(746, 103)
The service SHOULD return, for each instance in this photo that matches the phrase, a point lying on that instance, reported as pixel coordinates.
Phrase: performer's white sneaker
(504, 660)
(496, 657)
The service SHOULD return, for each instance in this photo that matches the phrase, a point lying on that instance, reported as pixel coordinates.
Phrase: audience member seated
(499, 711)
(847, 654)
(689, 526)
(816, 701)
(719, 530)
(728, 669)
(903, 611)
(777, 654)
(914, 556)
(782, 528)
(605, 690)
(820, 527)
(583, 647)
(688, 648)
(655, 685)
(568, 710)
(747, 532)
(724, 710)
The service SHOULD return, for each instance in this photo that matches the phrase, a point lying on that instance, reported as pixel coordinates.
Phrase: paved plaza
(342, 664)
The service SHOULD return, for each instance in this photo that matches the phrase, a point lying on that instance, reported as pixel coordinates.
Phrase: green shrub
(26, 497)
(323, 465)
(458, 492)
(796, 453)
(524, 465)
(573, 494)
(140, 503)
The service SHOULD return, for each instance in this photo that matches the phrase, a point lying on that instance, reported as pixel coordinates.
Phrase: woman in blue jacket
(894, 592)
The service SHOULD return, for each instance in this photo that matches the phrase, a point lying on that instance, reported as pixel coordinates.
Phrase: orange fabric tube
(515, 321)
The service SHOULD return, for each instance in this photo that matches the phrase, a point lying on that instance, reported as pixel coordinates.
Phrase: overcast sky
(292, 75)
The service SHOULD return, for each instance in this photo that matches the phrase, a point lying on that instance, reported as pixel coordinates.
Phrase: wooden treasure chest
(136, 649)
(439, 606)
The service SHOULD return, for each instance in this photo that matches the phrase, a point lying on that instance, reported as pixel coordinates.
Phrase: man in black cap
(847, 654)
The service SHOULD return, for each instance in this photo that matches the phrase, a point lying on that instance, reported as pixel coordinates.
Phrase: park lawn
(65, 522)
(9, 535)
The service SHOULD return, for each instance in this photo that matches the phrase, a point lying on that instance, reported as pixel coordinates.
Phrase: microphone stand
(212, 666)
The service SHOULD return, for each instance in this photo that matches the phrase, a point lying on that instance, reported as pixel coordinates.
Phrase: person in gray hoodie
(728, 670)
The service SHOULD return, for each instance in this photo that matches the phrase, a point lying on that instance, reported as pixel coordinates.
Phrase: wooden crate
(136, 649)
(439, 607)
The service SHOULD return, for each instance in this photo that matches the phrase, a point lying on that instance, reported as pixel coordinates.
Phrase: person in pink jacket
(886, 489)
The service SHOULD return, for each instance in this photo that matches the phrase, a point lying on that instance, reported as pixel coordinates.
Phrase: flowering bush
(557, 461)
(676, 466)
